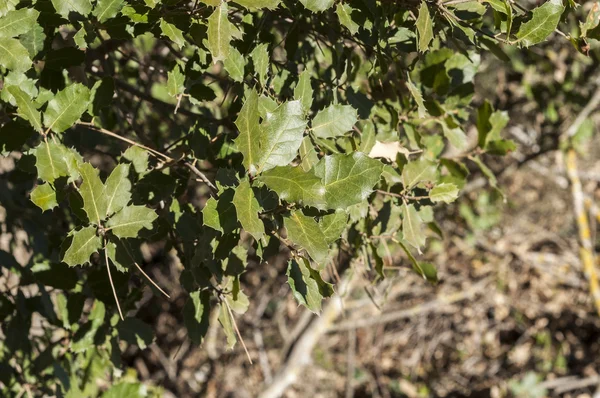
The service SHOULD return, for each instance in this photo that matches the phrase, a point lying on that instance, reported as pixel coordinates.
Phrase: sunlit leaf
(85, 242)
(128, 222)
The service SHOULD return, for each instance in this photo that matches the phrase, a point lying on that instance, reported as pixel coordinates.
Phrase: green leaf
(128, 222)
(85, 243)
(235, 64)
(13, 55)
(444, 192)
(368, 137)
(33, 40)
(344, 13)
(305, 232)
(426, 270)
(317, 5)
(254, 5)
(417, 171)
(542, 23)
(44, 197)
(50, 161)
(424, 28)
(247, 123)
(220, 33)
(221, 214)
(308, 155)
(308, 287)
(127, 389)
(26, 108)
(227, 324)
(84, 338)
(175, 81)
(334, 121)
(212, 3)
(348, 179)
(411, 226)
(247, 209)
(101, 95)
(280, 137)
(93, 193)
(487, 172)
(107, 9)
(303, 91)
(294, 185)
(66, 107)
(196, 314)
(455, 135)
(260, 59)
(18, 22)
(118, 189)
(65, 7)
(172, 32)
(418, 97)
(592, 20)
(138, 157)
(333, 225)
(135, 332)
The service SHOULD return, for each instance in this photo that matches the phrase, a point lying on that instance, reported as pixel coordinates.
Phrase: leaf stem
(237, 331)
(112, 285)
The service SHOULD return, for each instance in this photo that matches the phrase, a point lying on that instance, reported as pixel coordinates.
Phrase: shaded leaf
(308, 154)
(247, 123)
(260, 59)
(334, 121)
(235, 64)
(303, 91)
(136, 332)
(333, 225)
(411, 226)
(305, 232)
(196, 314)
(418, 97)
(307, 286)
(424, 28)
(417, 171)
(247, 209)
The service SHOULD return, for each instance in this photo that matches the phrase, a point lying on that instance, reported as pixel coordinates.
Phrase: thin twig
(237, 331)
(112, 285)
(154, 152)
(150, 279)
